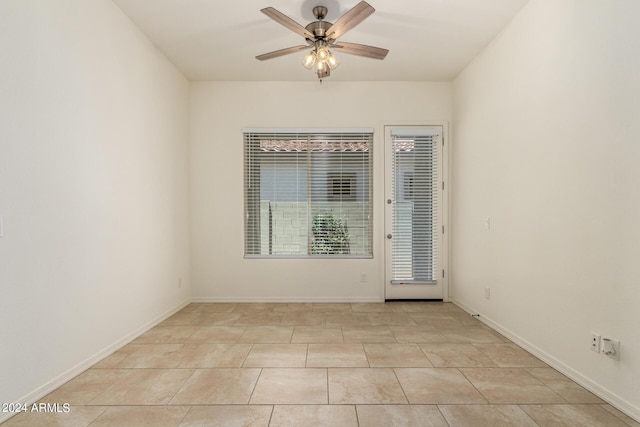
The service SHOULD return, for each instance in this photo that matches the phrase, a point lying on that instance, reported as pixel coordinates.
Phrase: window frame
(360, 187)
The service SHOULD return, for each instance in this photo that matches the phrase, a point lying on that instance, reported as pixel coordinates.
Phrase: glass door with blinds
(414, 201)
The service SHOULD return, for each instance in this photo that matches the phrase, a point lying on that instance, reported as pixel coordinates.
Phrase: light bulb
(321, 66)
(308, 60)
(323, 54)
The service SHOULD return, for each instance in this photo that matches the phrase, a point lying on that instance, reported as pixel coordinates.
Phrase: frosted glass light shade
(322, 69)
(333, 61)
(323, 54)
(309, 60)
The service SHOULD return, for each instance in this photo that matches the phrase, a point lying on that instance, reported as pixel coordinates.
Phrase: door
(414, 202)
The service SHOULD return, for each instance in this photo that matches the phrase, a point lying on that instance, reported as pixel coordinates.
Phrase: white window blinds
(415, 191)
(308, 193)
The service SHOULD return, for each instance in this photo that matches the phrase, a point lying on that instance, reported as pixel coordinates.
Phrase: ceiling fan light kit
(321, 36)
(320, 59)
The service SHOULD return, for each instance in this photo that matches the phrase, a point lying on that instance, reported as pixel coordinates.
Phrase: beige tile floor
(392, 364)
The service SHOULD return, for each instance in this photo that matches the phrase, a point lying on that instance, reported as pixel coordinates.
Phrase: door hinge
(443, 185)
(443, 229)
(443, 274)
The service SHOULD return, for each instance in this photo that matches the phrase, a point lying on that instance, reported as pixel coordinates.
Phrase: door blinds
(308, 193)
(415, 193)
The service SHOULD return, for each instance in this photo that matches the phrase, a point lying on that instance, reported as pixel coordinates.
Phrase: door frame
(443, 242)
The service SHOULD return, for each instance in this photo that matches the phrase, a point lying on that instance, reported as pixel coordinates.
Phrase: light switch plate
(487, 223)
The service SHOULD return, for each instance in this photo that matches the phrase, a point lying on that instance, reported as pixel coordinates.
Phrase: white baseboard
(603, 393)
(61, 379)
(317, 300)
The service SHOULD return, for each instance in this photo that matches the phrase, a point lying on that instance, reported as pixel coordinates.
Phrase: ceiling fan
(321, 36)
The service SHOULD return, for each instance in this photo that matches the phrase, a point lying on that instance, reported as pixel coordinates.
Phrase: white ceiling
(429, 40)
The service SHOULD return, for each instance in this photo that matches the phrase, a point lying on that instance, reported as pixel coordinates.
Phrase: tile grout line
(395, 373)
(328, 396)
(355, 408)
(185, 415)
(442, 414)
(273, 409)
(364, 350)
(254, 387)
(526, 414)
(247, 356)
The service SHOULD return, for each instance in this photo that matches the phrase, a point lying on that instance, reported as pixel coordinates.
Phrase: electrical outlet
(179, 283)
(595, 342)
(487, 293)
(363, 277)
(611, 348)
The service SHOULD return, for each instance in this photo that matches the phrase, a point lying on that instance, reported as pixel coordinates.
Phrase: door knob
(389, 236)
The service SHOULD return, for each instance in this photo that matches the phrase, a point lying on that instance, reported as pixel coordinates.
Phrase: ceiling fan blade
(281, 52)
(353, 17)
(361, 50)
(284, 20)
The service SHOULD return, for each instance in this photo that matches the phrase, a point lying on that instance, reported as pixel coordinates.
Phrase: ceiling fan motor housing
(319, 28)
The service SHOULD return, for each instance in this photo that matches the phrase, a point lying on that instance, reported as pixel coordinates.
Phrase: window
(407, 191)
(308, 193)
(341, 187)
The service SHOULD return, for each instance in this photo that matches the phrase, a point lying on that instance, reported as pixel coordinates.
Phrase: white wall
(546, 128)
(93, 188)
(219, 112)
